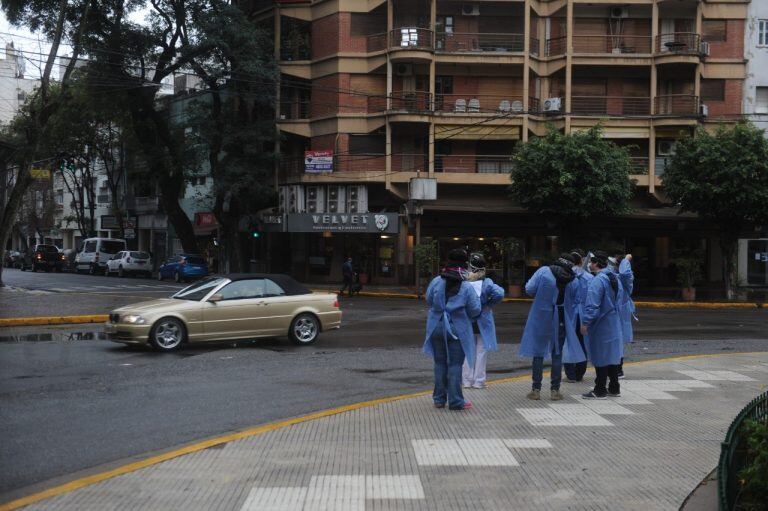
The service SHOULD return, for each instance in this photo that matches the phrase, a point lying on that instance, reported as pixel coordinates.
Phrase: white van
(95, 253)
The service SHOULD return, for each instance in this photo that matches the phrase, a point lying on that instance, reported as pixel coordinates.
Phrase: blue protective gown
(572, 352)
(627, 305)
(454, 316)
(601, 315)
(541, 328)
(490, 295)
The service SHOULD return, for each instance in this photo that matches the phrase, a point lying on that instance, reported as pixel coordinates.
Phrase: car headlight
(134, 320)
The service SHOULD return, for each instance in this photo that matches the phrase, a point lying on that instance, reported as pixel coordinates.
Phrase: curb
(53, 320)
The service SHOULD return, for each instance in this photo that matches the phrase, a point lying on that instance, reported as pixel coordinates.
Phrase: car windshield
(198, 290)
(140, 255)
(194, 259)
(112, 247)
(47, 248)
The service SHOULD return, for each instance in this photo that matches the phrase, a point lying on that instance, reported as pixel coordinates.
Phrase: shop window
(714, 31)
(713, 90)
(315, 199)
(336, 199)
(386, 267)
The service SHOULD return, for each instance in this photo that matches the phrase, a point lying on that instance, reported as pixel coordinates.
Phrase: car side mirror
(215, 298)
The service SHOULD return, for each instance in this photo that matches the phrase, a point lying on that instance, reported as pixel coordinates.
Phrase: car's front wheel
(167, 334)
(305, 328)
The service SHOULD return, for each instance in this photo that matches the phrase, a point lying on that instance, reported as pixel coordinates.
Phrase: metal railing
(411, 38)
(477, 164)
(407, 162)
(555, 46)
(677, 104)
(679, 42)
(613, 44)
(534, 105)
(639, 165)
(462, 42)
(534, 46)
(610, 105)
(415, 101)
(733, 452)
(479, 103)
(376, 42)
(292, 110)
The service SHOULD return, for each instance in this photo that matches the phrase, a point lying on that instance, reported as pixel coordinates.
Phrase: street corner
(402, 453)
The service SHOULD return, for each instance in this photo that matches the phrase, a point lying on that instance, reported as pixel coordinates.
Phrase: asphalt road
(71, 402)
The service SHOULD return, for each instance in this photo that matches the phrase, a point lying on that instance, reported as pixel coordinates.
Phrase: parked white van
(95, 253)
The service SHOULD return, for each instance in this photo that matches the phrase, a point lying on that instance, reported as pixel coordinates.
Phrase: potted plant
(425, 256)
(688, 273)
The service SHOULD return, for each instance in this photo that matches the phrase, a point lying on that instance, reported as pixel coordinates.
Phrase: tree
(569, 179)
(723, 177)
(59, 20)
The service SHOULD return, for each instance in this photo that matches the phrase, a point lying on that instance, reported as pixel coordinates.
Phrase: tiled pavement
(644, 450)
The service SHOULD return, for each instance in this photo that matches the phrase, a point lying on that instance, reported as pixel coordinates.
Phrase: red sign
(318, 161)
(205, 220)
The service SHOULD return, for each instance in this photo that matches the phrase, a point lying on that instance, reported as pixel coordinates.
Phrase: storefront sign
(344, 222)
(109, 222)
(40, 173)
(316, 162)
(205, 223)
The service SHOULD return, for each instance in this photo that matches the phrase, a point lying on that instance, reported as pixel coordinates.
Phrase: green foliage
(426, 258)
(722, 176)
(572, 177)
(689, 269)
(753, 477)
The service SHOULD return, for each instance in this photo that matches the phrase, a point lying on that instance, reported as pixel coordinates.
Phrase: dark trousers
(609, 373)
(347, 285)
(621, 366)
(576, 371)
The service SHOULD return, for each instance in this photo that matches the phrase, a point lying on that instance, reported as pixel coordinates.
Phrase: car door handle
(263, 303)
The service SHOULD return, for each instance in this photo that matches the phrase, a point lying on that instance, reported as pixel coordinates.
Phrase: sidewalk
(647, 449)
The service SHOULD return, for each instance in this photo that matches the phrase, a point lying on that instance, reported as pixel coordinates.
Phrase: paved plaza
(647, 449)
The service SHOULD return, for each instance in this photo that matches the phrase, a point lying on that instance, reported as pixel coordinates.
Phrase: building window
(713, 90)
(714, 31)
(762, 32)
(761, 100)
(60, 197)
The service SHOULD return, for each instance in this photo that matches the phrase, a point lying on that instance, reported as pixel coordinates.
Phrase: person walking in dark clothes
(348, 273)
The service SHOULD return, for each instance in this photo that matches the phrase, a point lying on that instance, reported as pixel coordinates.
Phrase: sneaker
(467, 386)
(614, 394)
(480, 386)
(467, 406)
(621, 375)
(534, 395)
(555, 395)
(591, 395)
(439, 405)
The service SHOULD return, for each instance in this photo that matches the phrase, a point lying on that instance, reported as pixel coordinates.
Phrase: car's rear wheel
(305, 328)
(167, 334)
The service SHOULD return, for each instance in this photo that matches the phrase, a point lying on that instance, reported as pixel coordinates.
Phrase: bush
(753, 478)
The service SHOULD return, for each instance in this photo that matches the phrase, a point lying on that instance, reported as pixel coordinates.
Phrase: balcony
(404, 162)
(458, 42)
(555, 46)
(677, 104)
(610, 105)
(146, 205)
(477, 164)
(411, 38)
(680, 43)
(534, 46)
(611, 44)
(376, 42)
(639, 165)
(294, 110)
(464, 104)
(411, 102)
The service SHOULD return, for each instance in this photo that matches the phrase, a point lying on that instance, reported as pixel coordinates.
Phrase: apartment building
(377, 93)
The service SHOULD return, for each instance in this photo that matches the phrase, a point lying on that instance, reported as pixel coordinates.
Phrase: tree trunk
(20, 185)
(729, 246)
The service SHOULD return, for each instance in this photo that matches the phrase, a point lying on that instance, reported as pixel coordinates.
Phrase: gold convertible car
(238, 306)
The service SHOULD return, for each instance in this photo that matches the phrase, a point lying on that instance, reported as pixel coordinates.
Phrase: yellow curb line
(258, 430)
(53, 320)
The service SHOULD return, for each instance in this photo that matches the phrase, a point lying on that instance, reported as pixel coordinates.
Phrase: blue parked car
(183, 267)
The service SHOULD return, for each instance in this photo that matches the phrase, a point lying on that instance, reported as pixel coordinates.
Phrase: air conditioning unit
(703, 110)
(404, 69)
(470, 10)
(666, 147)
(704, 49)
(619, 12)
(553, 104)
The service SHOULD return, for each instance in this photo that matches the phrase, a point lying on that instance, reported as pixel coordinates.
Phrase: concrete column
(568, 65)
(700, 66)
(277, 97)
(527, 53)
(654, 87)
(431, 150)
(652, 159)
(388, 156)
(654, 25)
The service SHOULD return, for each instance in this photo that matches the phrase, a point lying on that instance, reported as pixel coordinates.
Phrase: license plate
(140, 262)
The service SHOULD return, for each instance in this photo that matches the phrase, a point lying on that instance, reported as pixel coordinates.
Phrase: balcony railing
(479, 164)
(679, 43)
(404, 162)
(293, 110)
(372, 162)
(639, 165)
(613, 44)
(411, 38)
(479, 103)
(376, 42)
(534, 46)
(458, 42)
(610, 105)
(677, 104)
(412, 102)
(534, 105)
(555, 46)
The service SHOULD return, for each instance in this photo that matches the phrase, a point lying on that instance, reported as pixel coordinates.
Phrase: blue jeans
(448, 363)
(557, 364)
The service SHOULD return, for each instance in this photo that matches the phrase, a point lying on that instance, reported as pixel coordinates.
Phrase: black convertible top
(290, 286)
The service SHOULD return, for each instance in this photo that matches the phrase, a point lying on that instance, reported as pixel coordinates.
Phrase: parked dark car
(183, 267)
(13, 259)
(45, 257)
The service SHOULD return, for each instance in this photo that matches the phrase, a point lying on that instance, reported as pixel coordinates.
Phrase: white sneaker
(479, 385)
